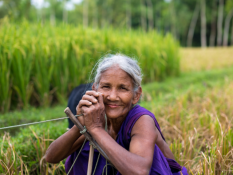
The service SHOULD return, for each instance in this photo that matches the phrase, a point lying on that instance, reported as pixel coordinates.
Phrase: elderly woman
(132, 139)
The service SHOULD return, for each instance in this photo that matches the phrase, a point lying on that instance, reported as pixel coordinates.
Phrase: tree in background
(220, 21)
(203, 23)
(173, 18)
(229, 11)
(55, 7)
(150, 14)
(16, 9)
(213, 23)
(191, 22)
(85, 13)
(143, 15)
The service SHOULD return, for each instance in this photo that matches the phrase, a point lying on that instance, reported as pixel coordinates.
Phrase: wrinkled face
(119, 96)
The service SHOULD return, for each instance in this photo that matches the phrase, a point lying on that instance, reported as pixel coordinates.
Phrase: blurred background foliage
(191, 22)
(41, 64)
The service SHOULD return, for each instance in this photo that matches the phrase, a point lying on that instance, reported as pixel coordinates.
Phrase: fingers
(90, 98)
(101, 98)
(92, 93)
(81, 104)
(93, 97)
(84, 103)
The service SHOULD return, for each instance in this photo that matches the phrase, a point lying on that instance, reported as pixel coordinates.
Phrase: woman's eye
(105, 87)
(123, 88)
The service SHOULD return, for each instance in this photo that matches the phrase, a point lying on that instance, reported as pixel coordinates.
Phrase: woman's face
(117, 88)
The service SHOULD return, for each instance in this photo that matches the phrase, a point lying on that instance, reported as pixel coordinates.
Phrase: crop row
(40, 65)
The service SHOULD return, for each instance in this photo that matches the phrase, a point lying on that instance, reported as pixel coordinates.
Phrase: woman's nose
(112, 95)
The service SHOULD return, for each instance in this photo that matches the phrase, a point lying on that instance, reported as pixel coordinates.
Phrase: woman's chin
(113, 115)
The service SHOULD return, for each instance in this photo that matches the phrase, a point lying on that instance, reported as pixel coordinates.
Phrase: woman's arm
(138, 159)
(71, 140)
(64, 145)
(163, 146)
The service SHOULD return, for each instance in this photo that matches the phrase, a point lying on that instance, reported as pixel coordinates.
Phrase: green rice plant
(42, 75)
(5, 88)
(48, 62)
(60, 75)
(21, 69)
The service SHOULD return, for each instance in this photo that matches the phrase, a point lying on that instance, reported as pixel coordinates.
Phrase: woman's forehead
(116, 75)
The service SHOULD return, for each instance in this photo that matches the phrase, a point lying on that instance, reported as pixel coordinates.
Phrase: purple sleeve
(133, 120)
(175, 167)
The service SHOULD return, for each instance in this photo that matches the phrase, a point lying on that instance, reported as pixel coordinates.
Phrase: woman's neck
(114, 126)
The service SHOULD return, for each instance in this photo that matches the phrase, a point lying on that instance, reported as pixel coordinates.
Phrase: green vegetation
(194, 112)
(24, 152)
(28, 116)
(164, 92)
(168, 90)
(191, 22)
(40, 64)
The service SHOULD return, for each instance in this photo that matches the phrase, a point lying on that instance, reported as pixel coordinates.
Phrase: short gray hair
(127, 64)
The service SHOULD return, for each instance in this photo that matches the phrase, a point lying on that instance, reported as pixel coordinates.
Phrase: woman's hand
(93, 110)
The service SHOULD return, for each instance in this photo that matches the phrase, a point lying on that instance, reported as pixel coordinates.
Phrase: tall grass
(198, 127)
(13, 162)
(48, 62)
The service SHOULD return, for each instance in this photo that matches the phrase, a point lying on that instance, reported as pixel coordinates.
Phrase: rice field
(194, 111)
(198, 127)
(40, 65)
(196, 59)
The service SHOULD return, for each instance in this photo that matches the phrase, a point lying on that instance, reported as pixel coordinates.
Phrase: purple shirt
(160, 165)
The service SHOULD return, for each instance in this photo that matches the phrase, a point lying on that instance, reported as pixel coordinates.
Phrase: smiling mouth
(113, 105)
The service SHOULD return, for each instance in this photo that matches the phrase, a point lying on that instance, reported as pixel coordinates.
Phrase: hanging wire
(34, 123)
(77, 157)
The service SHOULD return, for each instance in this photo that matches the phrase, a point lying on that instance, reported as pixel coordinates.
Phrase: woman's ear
(137, 95)
(94, 87)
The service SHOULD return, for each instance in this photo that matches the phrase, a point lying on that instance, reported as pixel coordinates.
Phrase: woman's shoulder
(124, 135)
(139, 110)
(133, 116)
(135, 113)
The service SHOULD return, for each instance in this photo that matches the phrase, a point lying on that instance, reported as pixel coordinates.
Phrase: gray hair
(125, 63)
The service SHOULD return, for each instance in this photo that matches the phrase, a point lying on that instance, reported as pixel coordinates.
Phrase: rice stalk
(48, 62)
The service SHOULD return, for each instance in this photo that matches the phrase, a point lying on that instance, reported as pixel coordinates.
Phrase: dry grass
(12, 162)
(196, 59)
(198, 128)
